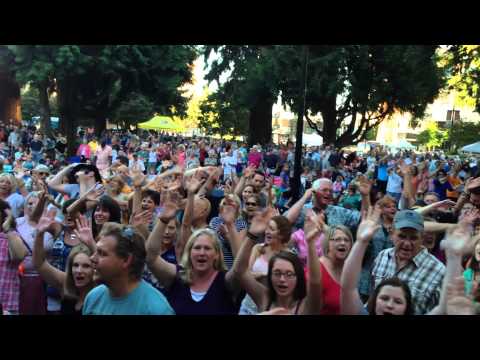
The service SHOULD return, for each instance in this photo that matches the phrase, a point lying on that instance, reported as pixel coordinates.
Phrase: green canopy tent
(161, 123)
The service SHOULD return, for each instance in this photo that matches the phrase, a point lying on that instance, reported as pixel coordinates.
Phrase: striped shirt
(215, 223)
(423, 274)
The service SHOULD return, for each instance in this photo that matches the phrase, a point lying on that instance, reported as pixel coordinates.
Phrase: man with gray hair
(322, 202)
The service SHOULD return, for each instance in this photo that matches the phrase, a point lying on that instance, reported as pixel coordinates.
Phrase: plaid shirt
(9, 280)
(423, 274)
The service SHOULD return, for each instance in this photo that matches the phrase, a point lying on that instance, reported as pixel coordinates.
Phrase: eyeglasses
(251, 204)
(288, 275)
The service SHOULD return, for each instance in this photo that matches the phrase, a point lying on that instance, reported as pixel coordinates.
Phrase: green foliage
(218, 116)
(462, 134)
(432, 137)
(462, 66)
(137, 108)
(362, 82)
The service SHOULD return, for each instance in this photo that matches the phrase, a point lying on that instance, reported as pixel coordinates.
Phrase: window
(455, 117)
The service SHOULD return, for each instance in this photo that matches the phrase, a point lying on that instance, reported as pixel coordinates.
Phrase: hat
(408, 219)
(42, 168)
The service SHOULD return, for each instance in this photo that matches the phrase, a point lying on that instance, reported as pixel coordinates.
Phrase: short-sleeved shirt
(334, 215)
(143, 300)
(423, 274)
(16, 202)
(215, 224)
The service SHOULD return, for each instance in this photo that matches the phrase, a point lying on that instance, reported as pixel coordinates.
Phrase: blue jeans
(396, 196)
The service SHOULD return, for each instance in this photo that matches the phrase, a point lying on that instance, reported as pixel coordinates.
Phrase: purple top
(217, 301)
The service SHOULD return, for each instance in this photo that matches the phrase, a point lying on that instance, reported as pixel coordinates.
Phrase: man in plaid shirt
(411, 262)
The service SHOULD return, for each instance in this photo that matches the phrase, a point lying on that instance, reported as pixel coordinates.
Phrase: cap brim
(408, 224)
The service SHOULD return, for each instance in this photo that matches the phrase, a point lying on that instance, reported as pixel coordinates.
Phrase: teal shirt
(468, 276)
(144, 300)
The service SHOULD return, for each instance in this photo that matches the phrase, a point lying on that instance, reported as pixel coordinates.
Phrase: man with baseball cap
(411, 262)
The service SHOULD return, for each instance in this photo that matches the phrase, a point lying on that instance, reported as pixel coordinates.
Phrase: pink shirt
(300, 243)
(255, 158)
(102, 157)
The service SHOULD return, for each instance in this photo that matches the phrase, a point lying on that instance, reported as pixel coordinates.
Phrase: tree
(251, 85)
(462, 134)
(432, 137)
(218, 116)
(136, 108)
(93, 81)
(356, 87)
(462, 65)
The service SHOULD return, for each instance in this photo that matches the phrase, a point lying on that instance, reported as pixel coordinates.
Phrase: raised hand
(444, 204)
(228, 214)
(249, 171)
(46, 221)
(457, 302)
(141, 218)
(170, 207)
(364, 186)
(83, 231)
(470, 217)
(314, 226)
(370, 225)
(94, 193)
(260, 221)
(308, 194)
(404, 168)
(193, 184)
(138, 179)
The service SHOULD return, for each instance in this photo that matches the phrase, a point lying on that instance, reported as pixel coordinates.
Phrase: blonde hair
(69, 288)
(331, 232)
(235, 198)
(186, 262)
(11, 179)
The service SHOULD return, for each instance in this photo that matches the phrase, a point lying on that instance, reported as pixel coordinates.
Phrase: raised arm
(295, 211)
(49, 274)
(364, 188)
(456, 244)
(56, 182)
(243, 180)
(350, 301)
(163, 270)
(240, 270)
(16, 247)
(436, 205)
(314, 225)
(138, 180)
(408, 192)
(192, 186)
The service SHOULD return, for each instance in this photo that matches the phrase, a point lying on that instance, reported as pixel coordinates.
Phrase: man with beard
(118, 263)
(411, 262)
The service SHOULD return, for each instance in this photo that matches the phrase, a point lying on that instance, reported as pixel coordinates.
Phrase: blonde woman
(8, 192)
(200, 285)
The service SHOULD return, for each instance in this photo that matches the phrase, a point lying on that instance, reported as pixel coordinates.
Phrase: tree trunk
(100, 125)
(260, 121)
(68, 109)
(45, 114)
(329, 115)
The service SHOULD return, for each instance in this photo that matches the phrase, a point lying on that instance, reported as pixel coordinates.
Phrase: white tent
(312, 139)
(473, 148)
(404, 144)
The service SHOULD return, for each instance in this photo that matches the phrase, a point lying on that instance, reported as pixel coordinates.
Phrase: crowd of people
(148, 223)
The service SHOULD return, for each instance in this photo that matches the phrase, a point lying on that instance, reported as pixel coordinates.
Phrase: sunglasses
(251, 204)
(43, 174)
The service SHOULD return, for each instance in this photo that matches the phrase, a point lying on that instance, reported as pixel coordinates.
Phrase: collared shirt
(423, 274)
(334, 215)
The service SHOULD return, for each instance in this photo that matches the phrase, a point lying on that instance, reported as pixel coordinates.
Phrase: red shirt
(330, 292)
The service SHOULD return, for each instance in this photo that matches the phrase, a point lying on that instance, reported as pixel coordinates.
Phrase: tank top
(296, 308)
(260, 265)
(331, 293)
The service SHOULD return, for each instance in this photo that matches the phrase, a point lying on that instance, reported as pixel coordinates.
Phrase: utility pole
(298, 140)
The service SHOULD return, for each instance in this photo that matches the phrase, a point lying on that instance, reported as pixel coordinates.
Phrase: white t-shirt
(394, 184)
(229, 163)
